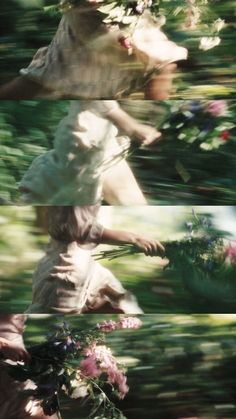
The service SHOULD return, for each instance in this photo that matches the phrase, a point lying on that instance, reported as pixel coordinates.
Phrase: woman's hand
(150, 247)
(13, 351)
(145, 134)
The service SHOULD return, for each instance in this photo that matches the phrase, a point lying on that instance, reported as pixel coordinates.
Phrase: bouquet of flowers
(197, 147)
(78, 363)
(204, 257)
(207, 125)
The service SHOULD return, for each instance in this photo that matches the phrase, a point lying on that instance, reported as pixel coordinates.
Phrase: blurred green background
(27, 130)
(178, 366)
(25, 27)
(23, 239)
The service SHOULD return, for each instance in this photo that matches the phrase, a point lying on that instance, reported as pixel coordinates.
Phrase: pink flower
(140, 8)
(101, 355)
(88, 367)
(90, 350)
(107, 326)
(217, 107)
(129, 323)
(230, 252)
(125, 42)
(120, 379)
(125, 323)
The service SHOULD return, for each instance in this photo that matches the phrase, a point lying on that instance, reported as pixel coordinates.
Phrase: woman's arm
(141, 132)
(21, 88)
(159, 87)
(150, 247)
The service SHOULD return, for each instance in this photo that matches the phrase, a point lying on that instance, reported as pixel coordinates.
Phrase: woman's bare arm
(141, 132)
(149, 246)
(159, 87)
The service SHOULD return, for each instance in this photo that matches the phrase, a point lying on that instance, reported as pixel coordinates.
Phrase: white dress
(12, 404)
(68, 279)
(86, 145)
(85, 59)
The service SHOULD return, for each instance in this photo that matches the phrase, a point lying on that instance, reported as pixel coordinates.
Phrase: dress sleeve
(103, 107)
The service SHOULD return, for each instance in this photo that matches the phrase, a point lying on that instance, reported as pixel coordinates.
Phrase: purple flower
(67, 345)
(195, 105)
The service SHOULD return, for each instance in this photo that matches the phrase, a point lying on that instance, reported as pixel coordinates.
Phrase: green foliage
(24, 28)
(26, 131)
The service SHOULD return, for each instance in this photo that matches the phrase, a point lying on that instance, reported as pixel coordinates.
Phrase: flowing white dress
(85, 144)
(12, 404)
(68, 279)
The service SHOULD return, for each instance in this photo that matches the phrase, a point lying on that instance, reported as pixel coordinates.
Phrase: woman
(68, 279)
(90, 58)
(86, 164)
(13, 405)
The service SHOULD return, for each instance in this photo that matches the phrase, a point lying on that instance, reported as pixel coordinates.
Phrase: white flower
(208, 42)
(218, 25)
(80, 391)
